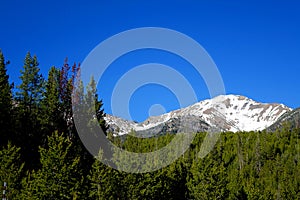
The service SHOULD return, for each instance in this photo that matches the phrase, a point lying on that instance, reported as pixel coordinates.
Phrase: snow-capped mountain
(224, 113)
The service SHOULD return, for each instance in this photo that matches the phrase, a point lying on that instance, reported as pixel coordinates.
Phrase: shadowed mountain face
(291, 119)
(222, 113)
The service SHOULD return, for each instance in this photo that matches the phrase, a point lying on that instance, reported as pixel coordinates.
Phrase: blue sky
(255, 44)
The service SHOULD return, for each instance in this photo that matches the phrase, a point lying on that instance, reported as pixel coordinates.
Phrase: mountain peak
(224, 112)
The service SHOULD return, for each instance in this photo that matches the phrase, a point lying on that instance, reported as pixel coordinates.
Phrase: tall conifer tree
(5, 103)
(29, 96)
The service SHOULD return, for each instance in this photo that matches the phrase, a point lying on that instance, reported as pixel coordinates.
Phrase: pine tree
(106, 182)
(5, 103)
(11, 170)
(59, 176)
(66, 86)
(92, 97)
(208, 176)
(31, 89)
(91, 119)
(29, 96)
(52, 118)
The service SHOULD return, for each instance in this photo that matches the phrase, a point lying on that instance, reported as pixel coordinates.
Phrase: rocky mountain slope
(222, 113)
(291, 118)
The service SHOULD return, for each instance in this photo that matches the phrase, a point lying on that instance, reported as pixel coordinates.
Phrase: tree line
(42, 156)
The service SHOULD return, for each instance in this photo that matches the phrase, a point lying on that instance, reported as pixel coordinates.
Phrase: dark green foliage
(31, 89)
(253, 165)
(59, 176)
(5, 103)
(207, 179)
(92, 96)
(105, 182)
(29, 96)
(11, 170)
(241, 166)
(52, 117)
